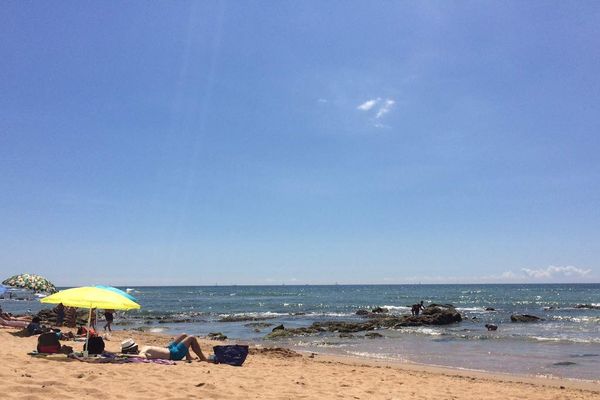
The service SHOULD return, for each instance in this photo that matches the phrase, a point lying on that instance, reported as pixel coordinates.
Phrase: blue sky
(300, 142)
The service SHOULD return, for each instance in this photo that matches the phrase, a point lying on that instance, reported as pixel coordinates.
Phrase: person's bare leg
(180, 338)
(192, 342)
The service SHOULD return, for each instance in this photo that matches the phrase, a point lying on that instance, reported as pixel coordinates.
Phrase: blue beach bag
(232, 354)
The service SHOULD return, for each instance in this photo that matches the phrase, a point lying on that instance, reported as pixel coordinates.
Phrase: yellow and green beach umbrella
(91, 297)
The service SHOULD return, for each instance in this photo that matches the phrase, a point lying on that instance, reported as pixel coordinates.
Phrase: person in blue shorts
(177, 350)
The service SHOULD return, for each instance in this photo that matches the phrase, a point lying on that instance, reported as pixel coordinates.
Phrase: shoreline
(267, 374)
(553, 381)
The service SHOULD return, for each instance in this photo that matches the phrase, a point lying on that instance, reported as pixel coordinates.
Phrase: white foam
(398, 308)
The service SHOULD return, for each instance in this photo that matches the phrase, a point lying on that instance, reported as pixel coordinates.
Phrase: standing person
(109, 317)
(93, 319)
(420, 308)
(416, 308)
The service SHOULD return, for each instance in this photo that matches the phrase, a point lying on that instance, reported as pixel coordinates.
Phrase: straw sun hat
(129, 346)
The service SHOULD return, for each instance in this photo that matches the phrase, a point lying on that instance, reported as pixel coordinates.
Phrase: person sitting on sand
(177, 350)
(35, 327)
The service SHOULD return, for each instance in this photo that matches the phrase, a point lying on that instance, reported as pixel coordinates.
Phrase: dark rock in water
(490, 309)
(216, 336)
(440, 315)
(524, 318)
(298, 313)
(588, 306)
(363, 312)
(346, 335)
(241, 318)
(373, 335)
(141, 328)
(491, 327)
(441, 305)
(432, 315)
(258, 325)
(379, 310)
(282, 333)
(174, 320)
(564, 363)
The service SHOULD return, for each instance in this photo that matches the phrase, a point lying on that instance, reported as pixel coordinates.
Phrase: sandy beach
(267, 374)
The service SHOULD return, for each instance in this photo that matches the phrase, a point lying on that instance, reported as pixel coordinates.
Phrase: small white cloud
(385, 108)
(322, 101)
(553, 272)
(367, 105)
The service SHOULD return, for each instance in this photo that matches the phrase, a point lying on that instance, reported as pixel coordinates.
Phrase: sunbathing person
(10, 317)
(177, 350)
(13, 323)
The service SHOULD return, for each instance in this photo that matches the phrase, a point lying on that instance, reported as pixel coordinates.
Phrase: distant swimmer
(491, 327)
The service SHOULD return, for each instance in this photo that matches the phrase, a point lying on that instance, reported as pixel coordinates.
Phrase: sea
(566, 343)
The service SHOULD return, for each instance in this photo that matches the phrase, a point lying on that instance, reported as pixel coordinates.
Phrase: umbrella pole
(87, 335)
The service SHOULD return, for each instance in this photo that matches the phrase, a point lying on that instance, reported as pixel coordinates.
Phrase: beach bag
(96, 345)
(232, 354)
(48, 343)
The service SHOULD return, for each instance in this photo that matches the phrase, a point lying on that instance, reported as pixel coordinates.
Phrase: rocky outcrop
(216, 336)
(48, 316)
(379, 310)
(258, 325)
(432, 315)
(588, 306)
(373, 335)
(524, 318)
(174, 320)
(242, 318)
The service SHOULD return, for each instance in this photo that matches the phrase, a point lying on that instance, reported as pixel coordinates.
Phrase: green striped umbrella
(32, 282)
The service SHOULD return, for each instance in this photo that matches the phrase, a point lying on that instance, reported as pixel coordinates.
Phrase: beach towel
(231, 354)
(110, 358)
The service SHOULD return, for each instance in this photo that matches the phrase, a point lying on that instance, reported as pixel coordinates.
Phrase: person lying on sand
(10, 317)
(177, 350)
(13, 323)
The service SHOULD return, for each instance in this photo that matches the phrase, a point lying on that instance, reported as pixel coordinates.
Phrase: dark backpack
(233, 354)
(96, 345)
(48, 343)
